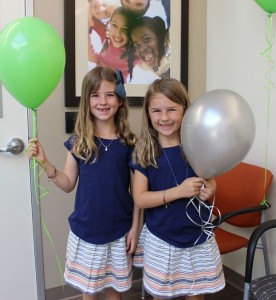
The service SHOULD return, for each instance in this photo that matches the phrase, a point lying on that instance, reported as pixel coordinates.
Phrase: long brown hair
(84, 144)
(148, 148)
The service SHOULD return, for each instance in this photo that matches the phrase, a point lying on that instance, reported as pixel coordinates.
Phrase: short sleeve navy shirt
(103, 205)
(179, 224)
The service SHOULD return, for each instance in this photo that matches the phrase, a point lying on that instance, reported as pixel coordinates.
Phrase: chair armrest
(258, 231)
(217, 221)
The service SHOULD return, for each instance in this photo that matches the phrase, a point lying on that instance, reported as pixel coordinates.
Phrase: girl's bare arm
(146, 199)
(65, 180)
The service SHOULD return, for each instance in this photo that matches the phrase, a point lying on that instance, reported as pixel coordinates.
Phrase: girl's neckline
(103, 140)
(106, 138)
(173, 146)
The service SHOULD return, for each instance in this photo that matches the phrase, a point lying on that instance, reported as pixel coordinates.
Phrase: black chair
(263, 288)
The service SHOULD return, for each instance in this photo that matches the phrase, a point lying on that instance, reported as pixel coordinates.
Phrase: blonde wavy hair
(148, 148)
(84, 146)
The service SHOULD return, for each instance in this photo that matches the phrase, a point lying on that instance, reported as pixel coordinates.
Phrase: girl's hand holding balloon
(207, 190)
(36, 151)
(190, 187)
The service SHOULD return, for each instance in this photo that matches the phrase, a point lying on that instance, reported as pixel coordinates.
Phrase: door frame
(37, 234)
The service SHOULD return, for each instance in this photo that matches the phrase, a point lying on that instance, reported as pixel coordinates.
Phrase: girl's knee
(111, 294)
(197, 297)
(90, 297)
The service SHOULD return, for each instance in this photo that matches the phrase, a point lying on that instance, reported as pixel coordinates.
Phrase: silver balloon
(217, 132)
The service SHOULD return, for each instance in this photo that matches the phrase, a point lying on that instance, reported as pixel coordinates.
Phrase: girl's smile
(146, 45)
(103, 110)
(104, 103)
(166, 116)
(118, 31)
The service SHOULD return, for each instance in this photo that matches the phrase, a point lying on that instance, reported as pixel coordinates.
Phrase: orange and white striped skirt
(92, 268)
(171, 272)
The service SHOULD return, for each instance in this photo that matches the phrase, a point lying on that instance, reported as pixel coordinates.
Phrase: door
(21, 276)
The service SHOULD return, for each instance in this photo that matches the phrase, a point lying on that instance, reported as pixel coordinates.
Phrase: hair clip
(120, 90)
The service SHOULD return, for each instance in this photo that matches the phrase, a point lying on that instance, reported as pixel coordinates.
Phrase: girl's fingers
(33, 140)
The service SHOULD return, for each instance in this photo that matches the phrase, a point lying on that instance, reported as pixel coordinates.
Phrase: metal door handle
(15, 146)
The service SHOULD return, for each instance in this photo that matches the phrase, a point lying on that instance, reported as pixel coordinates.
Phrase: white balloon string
(206, 226)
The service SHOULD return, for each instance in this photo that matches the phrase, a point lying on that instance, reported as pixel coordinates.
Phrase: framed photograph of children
(145, 39)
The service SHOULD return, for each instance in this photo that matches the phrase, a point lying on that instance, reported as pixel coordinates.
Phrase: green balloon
(32, 59)
(267, 5)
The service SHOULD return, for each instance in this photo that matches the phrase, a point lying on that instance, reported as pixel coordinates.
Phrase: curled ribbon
(270, 85)
(207, 226)
(40, 192)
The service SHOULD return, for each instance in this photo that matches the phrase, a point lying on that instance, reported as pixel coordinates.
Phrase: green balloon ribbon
(270, 85)
(41, 191)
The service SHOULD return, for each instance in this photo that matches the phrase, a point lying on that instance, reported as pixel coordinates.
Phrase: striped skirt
(173, 272)
(92, 268)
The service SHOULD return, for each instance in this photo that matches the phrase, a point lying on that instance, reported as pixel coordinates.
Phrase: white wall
(236, 37)
(197, 48)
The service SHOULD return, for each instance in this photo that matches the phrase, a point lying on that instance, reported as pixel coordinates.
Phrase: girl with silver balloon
(179, 254)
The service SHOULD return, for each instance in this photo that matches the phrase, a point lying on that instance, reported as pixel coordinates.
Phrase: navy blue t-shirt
(172, 224)
(103, 205)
